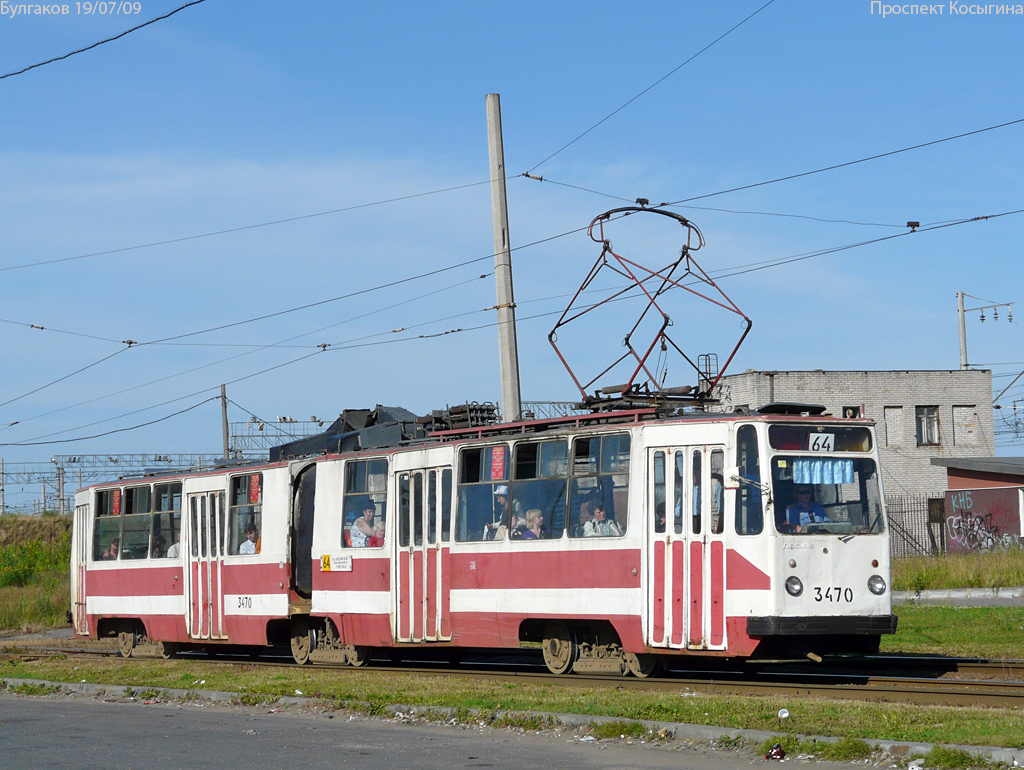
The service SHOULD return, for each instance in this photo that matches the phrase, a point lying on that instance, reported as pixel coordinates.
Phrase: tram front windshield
(826, 495)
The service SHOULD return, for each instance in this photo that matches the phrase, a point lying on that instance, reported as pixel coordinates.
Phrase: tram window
(417, 509)
(137, 523)
(539, 484)
(697, 513)
(749, 513)
(659, 492)
(404, 510)
(194, 519)
(365, 503)
(814, 438)
(166, 521)
(432, 508)
(835, 495)
(717, 487)
(107, 529)
(484, 501)
(446, 504)
(599, 489)
(245, 516)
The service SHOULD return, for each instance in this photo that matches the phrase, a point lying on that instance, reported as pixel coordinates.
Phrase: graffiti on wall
(983, 520)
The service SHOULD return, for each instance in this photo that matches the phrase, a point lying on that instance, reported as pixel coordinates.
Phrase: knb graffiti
(983, 520)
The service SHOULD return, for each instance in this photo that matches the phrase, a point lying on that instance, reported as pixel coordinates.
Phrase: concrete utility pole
(508, 349)
(963, 323)
(224, 417)
(963, 329)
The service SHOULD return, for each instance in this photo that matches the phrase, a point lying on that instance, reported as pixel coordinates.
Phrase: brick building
(920, 415)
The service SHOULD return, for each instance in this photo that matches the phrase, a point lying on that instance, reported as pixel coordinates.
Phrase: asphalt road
(83, 733)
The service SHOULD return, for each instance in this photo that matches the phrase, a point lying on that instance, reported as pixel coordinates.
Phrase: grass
(38, 597)
(975, 570)
(967, 632)
(493, 702)
(846, 749)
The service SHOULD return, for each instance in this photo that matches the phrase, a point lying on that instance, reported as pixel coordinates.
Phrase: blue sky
(231, 114)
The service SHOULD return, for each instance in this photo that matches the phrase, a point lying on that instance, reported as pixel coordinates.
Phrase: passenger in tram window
(602, 525)
(366, 530)
(534, 522)
(659, 517)
(111, 553)
(251, 536)
(586, 513)
(175, 550)
(806, 510)
(159, 548)
(496, 527)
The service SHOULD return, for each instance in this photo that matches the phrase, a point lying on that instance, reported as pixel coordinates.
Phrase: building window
(927, 425)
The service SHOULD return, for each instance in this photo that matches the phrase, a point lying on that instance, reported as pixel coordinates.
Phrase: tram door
(422, 610)
(81, 547)
(205, 562)
(687, 555)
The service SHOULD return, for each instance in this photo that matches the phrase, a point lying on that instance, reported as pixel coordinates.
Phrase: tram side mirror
(732, 477)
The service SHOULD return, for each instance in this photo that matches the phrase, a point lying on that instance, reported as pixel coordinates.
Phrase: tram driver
(806, 510)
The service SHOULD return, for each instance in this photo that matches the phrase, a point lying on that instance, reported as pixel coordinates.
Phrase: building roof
(1008, 466)
(855, 371)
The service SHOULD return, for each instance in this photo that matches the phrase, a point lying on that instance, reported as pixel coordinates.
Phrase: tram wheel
(303, 642)
(642, 666)
(560, 648)
(358, 656)
(126, 641)
(166, 650)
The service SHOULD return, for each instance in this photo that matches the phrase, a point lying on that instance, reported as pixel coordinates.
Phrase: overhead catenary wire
(234, 357)
(65, 377)
(846, 164)
(243, 228)
(116, 430)
(102, 42)
(652, 85)
(334, 348)
(711, 208)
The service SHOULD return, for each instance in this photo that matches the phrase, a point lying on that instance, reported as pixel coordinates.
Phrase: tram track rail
(930, 681)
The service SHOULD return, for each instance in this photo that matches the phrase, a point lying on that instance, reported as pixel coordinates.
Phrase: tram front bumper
(834, 625)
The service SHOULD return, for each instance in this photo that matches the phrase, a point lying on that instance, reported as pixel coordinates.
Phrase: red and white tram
(616, 540)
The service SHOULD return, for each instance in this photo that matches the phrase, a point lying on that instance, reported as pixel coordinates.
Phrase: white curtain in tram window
(821, 470)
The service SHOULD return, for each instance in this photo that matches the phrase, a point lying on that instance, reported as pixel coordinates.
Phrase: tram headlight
(793, 586)
(876, 585)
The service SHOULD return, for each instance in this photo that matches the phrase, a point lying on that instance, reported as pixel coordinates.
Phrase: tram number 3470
(833, 594)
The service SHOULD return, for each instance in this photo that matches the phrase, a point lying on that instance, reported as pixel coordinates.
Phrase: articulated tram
(615, 540)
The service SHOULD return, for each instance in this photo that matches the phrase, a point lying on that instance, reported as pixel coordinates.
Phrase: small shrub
(946, 758)
(254, 699)
(375, 708)
(35, 689)
(619, 730)
(846, 750)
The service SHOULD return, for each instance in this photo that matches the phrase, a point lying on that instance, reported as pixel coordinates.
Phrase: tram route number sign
(335, 562)
(833, 594)
(821, 442)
